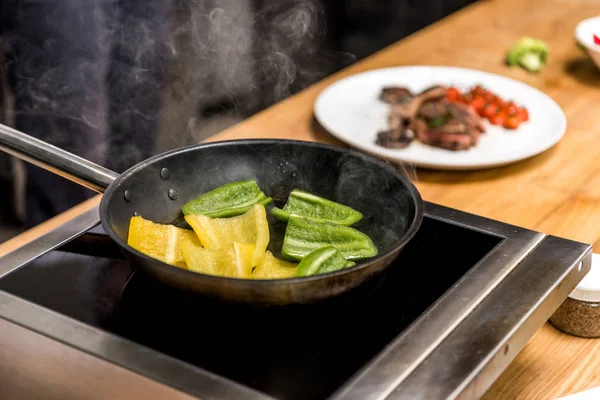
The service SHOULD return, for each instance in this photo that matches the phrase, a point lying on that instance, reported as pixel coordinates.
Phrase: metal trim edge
(403, 355)
(503, 332)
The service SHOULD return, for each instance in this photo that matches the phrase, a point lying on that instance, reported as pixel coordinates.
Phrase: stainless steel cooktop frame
(455, 350)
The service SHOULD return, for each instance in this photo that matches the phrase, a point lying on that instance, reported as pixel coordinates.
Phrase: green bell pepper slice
(321, 261)
(303, 236)
(316, 208)
(228, 200)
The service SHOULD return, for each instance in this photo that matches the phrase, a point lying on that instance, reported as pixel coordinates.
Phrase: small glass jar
(579, 314)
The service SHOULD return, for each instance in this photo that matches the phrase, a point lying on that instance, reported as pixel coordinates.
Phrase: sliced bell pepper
(303, 236)
(159, 241)
(270, 267)
(217, 233)
(243, 258)
(316, 208)
(235, 262)
(321, 261)
(219, 262)
(229, 200)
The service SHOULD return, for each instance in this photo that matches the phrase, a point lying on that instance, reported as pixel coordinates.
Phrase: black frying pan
(157, 188)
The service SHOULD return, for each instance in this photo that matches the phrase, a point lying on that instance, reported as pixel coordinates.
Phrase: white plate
(350, 109)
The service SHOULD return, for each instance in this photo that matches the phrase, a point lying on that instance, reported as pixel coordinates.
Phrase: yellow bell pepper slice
(220, 262)
(159, 241)
(271, 267)
(243, 258)
(251, 227)
(232, 263)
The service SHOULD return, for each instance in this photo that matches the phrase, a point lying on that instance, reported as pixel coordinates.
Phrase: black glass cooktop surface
(299, 352)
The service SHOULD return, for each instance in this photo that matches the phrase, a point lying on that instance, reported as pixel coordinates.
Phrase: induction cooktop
(442, 321)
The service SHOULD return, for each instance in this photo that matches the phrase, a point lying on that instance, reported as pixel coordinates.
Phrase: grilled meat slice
(396, 121)
(433, 109)
(433, 93)
(418, 125)
(453, 126)
(395, 95)
(466, 114)
(449, 141)
(409, 108)
(454, 135)
(454, 117)
(395, 138)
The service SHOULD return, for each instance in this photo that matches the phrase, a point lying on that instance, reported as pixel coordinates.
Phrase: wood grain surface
(47, 226)
(557, 192)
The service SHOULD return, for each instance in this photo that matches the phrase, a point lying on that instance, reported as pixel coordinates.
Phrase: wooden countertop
(557, 192)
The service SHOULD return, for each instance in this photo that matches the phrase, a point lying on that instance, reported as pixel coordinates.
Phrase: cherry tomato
(489, 97)
(511, 123)
(500, 102)
(497, 119)
(523, 115)
(478, 102)
(452, 94)
(490, 110)
(511, 109)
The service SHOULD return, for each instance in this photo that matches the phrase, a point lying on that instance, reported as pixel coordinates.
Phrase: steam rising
(122, 75)
(365, 187)
(238, 57)
(136, 71)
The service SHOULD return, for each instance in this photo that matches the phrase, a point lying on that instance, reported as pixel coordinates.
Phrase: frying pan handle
(53, 159)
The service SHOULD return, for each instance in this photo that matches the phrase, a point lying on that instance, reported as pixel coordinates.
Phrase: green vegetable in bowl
(528, 53)
(315, 208)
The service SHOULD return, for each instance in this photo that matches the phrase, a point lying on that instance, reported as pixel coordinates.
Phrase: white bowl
(584, 33)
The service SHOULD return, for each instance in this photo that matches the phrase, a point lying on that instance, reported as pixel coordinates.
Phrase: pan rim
(414, 226)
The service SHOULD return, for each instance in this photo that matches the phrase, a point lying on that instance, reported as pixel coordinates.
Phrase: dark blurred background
(231, 59)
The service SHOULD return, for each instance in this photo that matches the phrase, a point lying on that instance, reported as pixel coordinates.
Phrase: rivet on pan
(127, 195)
(165, 173)
(173, 194)
(136, 214)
